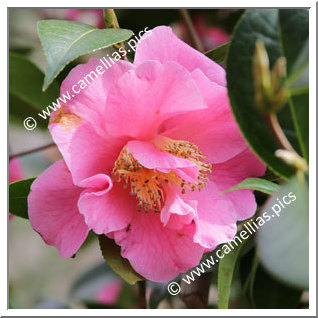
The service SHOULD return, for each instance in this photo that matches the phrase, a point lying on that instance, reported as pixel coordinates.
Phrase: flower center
(148, 184)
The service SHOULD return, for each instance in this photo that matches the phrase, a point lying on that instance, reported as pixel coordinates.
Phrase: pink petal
(163, 45)
(53, 212)
(90, 153)
(107, 210)
(228, 174)
(86, 108)
(177, 210)
(215, 219)
(213, 130)
(152, 158)
(156, 252)
(142, 98)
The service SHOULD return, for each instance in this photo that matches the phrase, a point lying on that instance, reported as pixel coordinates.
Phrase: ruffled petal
(107, 210)
(53, 212)
(215, 219)
(156, 252)
(144, 97)
(79, 125)
(163, 45)
(228, 174)
(90, 153)
(177, 211)
(214, 129)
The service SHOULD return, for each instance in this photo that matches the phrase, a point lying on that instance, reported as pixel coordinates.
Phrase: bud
(262, 80)
(279, 91)
(270, 91)
(293, 159)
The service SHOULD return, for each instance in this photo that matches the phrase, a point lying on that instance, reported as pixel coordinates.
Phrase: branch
(279, 134)
(196, 43)
(23, 153)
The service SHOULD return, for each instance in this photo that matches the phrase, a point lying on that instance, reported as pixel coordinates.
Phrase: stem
(111, 22)
(23, 153)
(195, 296)
(196, 43)
(142, 294)
(279, 134)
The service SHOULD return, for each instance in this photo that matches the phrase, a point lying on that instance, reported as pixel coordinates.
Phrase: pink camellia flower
(15, 174)
(108, 294)
(148, 149)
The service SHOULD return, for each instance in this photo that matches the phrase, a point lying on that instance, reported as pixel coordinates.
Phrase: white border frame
(312, 166)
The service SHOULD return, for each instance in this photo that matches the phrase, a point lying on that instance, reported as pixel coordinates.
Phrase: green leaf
(254, 24)
(285, 120)
(64, 41)
(225, 274)
(299, 105)
(294, 39)
(18, 194)
(26, 97)
(120, 265)
(261, 289)
(219, 54)
(258, 184)
(283, 241)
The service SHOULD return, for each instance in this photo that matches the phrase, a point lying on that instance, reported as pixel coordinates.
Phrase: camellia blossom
(15, 174)
(147, 150)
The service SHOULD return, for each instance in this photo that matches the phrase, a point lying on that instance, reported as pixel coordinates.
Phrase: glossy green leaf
(26, 98)
(261, 289)
(18, 194)
(294, 39)
(120, 265)
(225, 274)
(299, 105)
(283, 241)
(257, 184)
(218, 54)
(285, 120)
(254, 24)
(64, 41)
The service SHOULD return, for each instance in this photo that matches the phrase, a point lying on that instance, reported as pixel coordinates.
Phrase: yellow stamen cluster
(148, 185)
(189, 151)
